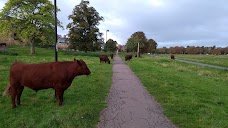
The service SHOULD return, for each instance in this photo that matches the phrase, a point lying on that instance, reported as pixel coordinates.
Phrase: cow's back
(37, 76)
(104, 57)
(16, 71)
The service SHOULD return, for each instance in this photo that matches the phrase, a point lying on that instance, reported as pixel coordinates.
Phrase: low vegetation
(83, 100)
(191, 96)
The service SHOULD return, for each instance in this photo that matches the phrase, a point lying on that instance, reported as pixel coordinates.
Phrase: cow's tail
(6, 91)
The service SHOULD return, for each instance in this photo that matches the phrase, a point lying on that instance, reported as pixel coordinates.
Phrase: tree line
(32, 22)
(193, 50)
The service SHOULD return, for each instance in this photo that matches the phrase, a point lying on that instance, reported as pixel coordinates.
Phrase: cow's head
(82, 69)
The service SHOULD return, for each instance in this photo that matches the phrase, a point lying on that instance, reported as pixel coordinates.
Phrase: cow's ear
(79, 62)
(74, 59)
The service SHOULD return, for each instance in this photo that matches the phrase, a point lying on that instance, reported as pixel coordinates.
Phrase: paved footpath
(129, 104)
(201, 64)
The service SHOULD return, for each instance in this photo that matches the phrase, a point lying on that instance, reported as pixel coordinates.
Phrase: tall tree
(132, 43)
(140, 36)
(83, 30)
(110, 45)
(97, 45)
(29, 20)
(150, 46)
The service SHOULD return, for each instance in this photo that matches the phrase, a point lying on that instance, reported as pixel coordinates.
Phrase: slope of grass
(191, 96)
(83, 100)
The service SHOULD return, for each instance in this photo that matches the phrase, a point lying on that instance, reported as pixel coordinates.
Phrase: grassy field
(219, 60)
(191, 96)
(83, 100)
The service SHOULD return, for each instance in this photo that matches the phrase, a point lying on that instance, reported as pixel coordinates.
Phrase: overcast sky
(169, 22)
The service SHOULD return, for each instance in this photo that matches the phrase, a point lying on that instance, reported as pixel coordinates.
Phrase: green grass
(219, 60)
(83, 100)
(191, 96)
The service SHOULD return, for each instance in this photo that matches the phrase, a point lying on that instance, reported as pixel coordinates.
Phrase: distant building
(63, 42)
(121, 48)
(63, 39)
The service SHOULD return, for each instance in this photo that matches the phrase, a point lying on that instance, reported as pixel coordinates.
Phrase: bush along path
(129, 104)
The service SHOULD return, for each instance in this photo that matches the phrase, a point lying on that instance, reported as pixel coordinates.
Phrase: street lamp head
(107, 30)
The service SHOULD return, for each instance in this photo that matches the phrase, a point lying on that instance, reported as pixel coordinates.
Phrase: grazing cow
(104, 58)
(111, 55)
(2, 44)
(56, 75)
(172, 57)
(128, 57)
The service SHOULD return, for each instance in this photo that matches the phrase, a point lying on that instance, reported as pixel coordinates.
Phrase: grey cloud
(181, 20)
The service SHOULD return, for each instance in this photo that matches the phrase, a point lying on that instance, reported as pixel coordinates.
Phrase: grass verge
(191, 96)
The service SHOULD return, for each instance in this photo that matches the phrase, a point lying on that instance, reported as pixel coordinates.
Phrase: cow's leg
(13, 93)
(19, 92)
(62, 96)
(59, 93)
(55, 96)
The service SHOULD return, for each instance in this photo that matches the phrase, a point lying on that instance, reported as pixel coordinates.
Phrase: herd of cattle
(56, 75)
(104, 58)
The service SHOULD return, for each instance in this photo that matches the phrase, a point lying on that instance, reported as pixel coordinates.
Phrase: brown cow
(111, 55)
(128, 57)
(104, 58)
(172, 57)
(56, 75)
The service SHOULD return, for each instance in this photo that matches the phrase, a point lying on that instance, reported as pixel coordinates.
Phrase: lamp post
(106, 35)
(56, 53)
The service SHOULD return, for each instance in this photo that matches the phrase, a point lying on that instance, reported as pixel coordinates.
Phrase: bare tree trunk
(138, 50)
(32, 47)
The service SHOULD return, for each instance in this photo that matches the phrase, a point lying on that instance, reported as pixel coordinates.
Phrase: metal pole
(56, 53)
(106, 35)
